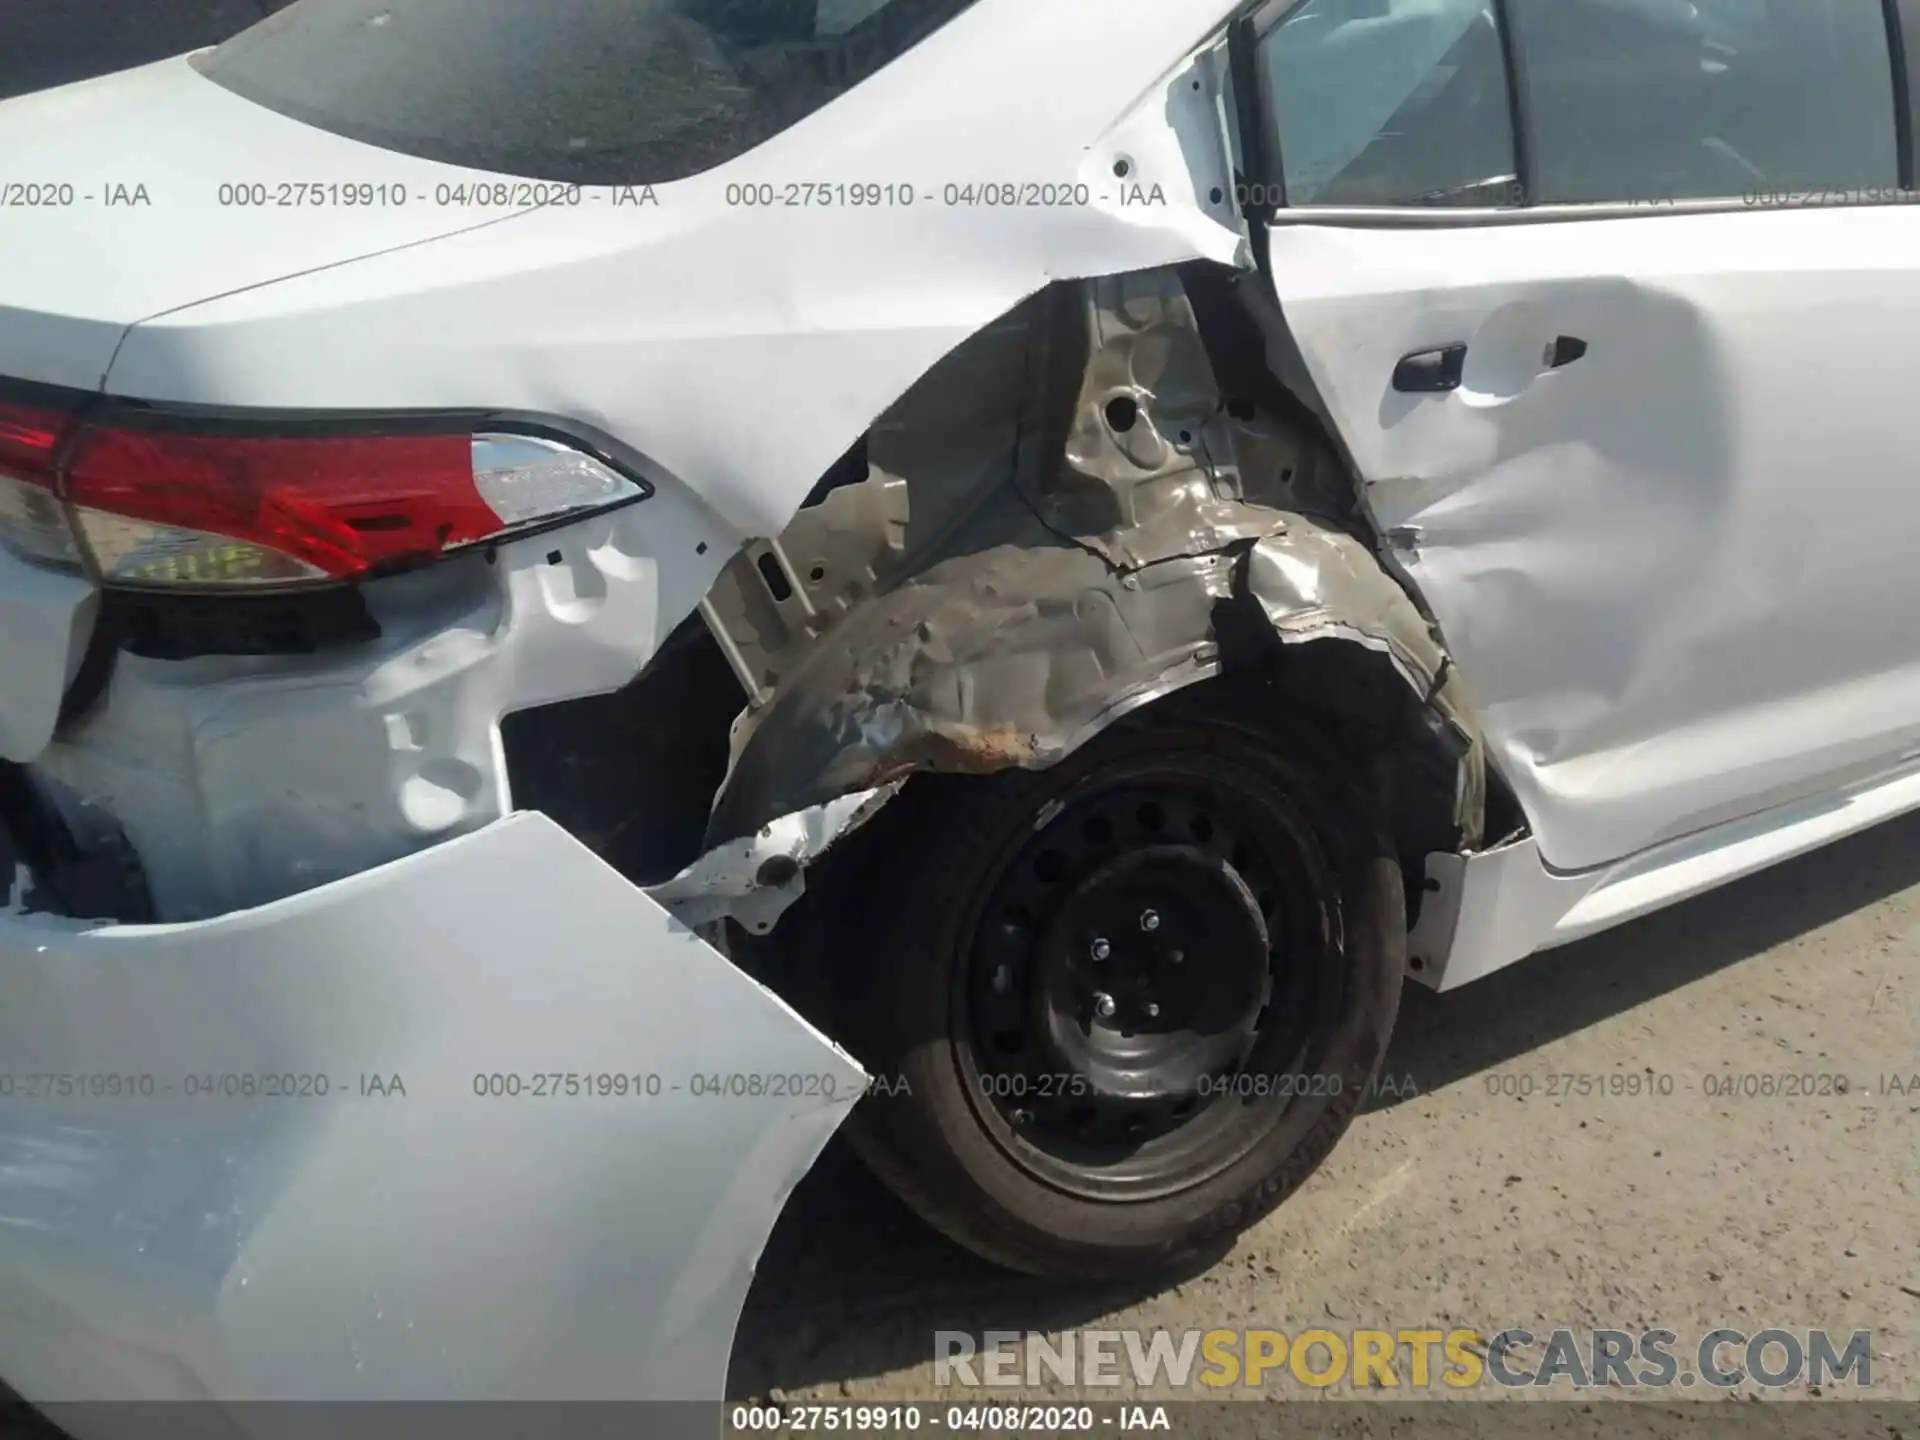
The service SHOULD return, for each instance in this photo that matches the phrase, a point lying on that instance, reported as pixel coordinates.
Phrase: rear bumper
(50, 618)
(167, 1235)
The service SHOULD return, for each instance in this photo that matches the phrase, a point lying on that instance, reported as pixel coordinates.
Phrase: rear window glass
(593, 92)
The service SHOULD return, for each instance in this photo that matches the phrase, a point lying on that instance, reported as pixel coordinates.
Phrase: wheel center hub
(1154, 972)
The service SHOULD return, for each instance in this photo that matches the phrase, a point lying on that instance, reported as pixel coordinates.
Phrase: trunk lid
(134, 194)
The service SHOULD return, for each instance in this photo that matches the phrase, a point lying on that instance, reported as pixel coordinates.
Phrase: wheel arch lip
(355, 1245)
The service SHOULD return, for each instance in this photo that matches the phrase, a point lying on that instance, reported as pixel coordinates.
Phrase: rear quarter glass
(590, 92)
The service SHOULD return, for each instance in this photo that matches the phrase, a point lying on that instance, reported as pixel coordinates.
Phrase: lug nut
(1104, 1006)
(1149, 920)
(1100, 950)
(1153, 1011)
(1178, 957)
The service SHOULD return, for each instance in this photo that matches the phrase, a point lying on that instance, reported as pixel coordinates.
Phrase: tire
(1054, 1137)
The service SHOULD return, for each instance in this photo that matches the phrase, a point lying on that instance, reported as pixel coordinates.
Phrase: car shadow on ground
(853, 1285)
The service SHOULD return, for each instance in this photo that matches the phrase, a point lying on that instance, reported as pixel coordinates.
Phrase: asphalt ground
(1490, 1192)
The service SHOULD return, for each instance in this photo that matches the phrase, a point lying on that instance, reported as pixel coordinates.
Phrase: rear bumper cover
(50, 618)
(185, 1216)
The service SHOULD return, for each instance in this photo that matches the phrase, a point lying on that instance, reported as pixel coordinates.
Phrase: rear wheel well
(1117, 1137)
(1349, 705)
(1337, 703)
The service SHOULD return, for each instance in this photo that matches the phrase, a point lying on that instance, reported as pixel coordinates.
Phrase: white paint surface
(1675, 574)
(436, 1245)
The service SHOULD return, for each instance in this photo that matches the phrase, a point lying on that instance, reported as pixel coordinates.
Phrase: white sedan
(587, 592)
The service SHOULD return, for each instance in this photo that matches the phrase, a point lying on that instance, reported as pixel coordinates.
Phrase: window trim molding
(1903, 42)
(1265, 178)
(1257, 19)
(1519, 101)
(1431, 217)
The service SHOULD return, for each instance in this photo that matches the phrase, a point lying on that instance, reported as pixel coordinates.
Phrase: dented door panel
(267, 1157)
(1674, 579)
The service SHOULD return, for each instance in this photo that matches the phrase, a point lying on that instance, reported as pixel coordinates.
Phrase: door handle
(1564, 350)
(1431, 371)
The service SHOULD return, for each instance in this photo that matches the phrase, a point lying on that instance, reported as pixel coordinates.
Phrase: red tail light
(159, 505)
(28, 439)
(312, 508)
(31, 522)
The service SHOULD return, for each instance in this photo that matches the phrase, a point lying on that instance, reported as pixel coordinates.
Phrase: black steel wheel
(1121, 1008)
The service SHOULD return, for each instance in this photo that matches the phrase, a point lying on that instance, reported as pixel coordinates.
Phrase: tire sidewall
(923, 1119)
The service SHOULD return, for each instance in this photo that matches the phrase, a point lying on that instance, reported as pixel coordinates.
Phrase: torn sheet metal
(360, 1117)
(242, 780)
(744, 347)
(1016, 655)
(1046, 527)
(1316, 582)
(1097, 400)
(1033, 400)
(898, 502)
(1004, 656)
(755, 880)
(1157, 462)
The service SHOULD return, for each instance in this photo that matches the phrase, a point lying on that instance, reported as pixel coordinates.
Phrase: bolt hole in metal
(778, 870)
(1123, 413)
(1152, 938)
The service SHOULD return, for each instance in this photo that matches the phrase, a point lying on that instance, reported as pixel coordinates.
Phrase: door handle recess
(1431, 371)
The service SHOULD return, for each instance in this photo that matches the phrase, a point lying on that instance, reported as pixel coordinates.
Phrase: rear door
(1619, 349)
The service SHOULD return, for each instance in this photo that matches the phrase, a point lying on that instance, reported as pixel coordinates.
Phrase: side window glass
(1391, 102)
(1652, 100)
